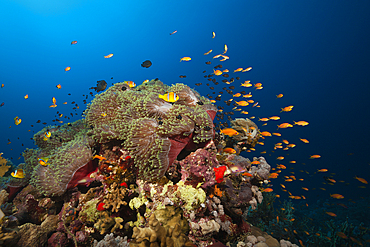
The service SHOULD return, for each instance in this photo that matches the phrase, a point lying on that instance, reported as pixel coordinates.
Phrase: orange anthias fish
(287, 108)
(267, 190)
(257, 85)
(54, 103)
(26, 96)
(275, 118)
(185, 59)
(273, 175)
(242, 103)
(304, 140)
(284, 125)
(342, 235)
(331, 214)
(246, 84)
(217, 72)
(266, 133)
(99, 157)
(362, 180)
(264, 119)
(173, 32)
(59, 86)
(301, 123)
(315, 156)
(225, 49)
(67, 69)
(247, 69)
(229, 131)
(109, 55)
(229, 150)
(74, 42)
(247, 174)
(208, 52)
(337, 196)
(279, 96)
(238, 70)
(322, 170)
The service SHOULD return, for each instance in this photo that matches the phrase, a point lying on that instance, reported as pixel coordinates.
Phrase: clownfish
(169, 97)
(47, 135)
(18, 173)
(131, 84)
(17, 120)
(43, 161)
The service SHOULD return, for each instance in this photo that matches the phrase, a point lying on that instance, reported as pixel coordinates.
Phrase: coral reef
(139, 171)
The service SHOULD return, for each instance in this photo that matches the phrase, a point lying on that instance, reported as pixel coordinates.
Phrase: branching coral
(115, 197)
(106, 222)
(165, 229)
(3, 165)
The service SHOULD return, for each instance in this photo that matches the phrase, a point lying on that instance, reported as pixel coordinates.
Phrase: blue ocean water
(316, 53)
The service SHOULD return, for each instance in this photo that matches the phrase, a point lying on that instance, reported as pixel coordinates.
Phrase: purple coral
(198, 166)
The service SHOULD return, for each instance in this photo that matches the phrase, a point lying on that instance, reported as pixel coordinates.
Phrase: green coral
(137, 202)
(89, 213)
(191, 196)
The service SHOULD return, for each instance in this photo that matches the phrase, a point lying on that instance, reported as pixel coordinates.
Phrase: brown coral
(115, 197)
(3, 165)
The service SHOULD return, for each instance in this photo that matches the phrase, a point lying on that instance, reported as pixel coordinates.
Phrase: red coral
(219, 171)
(100, 206)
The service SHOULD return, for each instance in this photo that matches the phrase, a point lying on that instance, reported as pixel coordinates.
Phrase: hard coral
(153, 130)
(198, 166)
(110, 241)
(115, 197)
(106, 223)
(166, 231)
